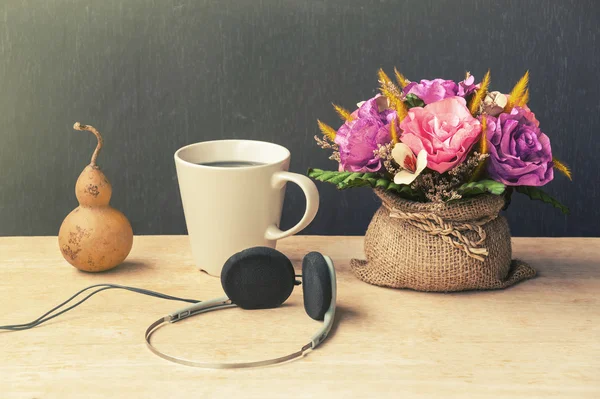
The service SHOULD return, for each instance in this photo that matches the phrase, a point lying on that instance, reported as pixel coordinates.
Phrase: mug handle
(278, 180)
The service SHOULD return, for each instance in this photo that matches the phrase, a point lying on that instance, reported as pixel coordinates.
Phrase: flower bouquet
(445, 158)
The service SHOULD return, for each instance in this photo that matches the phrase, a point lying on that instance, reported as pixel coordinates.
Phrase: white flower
(411, 166)
(494, 103)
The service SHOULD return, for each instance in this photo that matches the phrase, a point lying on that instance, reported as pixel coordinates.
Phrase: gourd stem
(89, 128)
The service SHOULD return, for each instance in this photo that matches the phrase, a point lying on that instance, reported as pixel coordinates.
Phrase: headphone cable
(45, 317)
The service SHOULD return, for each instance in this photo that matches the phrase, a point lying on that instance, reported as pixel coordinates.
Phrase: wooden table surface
(540, 338)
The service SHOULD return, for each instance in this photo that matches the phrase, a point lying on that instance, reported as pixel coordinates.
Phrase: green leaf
(414, 101)
(344, 180)
(335, 177)
(536, 194)
(481, 187)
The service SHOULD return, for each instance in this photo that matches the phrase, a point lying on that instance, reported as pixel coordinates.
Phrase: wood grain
(156, 75)
(538, 339)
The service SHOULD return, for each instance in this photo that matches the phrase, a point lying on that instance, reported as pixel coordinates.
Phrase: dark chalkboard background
(156, 75)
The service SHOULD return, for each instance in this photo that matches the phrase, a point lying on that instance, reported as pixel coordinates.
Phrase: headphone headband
(224, 303)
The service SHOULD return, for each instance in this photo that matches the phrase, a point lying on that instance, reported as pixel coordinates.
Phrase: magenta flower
(520, 153)
(359, 138)
(434, 90)
(444, 129)
(431, 91)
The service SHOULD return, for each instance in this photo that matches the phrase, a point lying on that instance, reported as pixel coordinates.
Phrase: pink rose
(444, 129)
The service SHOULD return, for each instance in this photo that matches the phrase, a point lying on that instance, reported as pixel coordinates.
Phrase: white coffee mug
(228, 209)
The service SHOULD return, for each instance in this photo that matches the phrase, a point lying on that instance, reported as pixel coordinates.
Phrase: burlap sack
(429, 247)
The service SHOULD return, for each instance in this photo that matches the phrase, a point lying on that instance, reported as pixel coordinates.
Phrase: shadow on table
(125, 268)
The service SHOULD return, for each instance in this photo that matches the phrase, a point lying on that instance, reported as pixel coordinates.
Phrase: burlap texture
(400, 255)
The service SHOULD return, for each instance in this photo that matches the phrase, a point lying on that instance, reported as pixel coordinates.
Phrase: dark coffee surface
(231, 164)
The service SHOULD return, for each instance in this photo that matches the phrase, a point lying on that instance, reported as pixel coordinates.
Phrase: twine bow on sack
(451, 232)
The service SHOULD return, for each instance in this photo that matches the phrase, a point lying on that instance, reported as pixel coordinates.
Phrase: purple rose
(359, 138)
(467, 86)
(520, 153)
(431, 91)
(377, 107)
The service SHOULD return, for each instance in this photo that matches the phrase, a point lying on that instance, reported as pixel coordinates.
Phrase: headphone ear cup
(316, 285)
(258, 278)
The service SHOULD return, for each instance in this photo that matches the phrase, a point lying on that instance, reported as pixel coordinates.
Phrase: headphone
(255, 278)
(263, 278)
